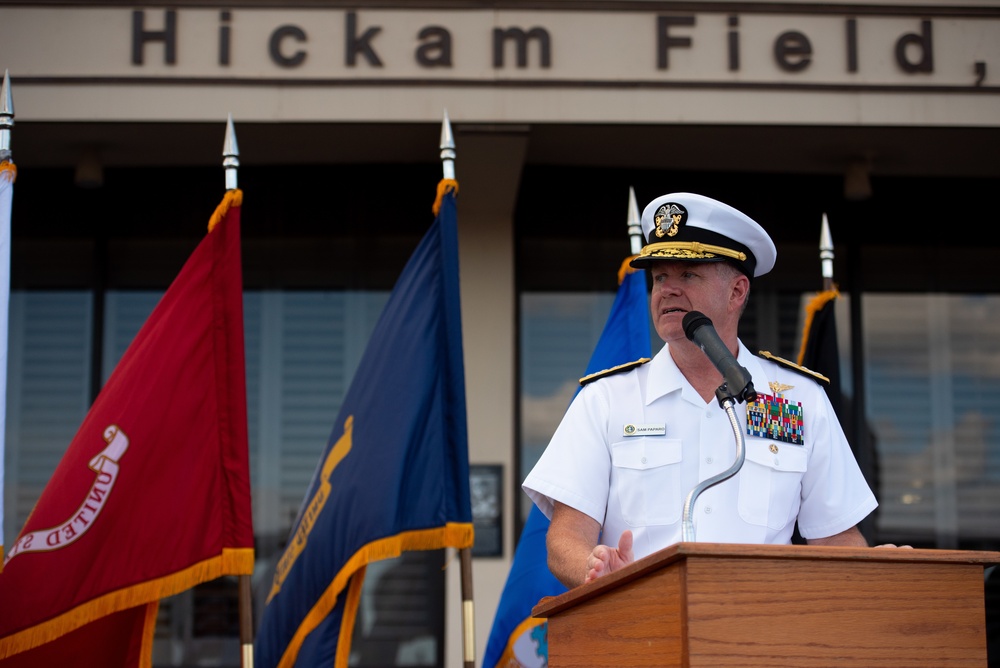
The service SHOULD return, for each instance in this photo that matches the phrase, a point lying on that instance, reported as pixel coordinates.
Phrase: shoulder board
(794, 367)
(613, 370)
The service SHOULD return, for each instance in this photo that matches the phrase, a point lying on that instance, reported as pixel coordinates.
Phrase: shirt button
(643, 460)
(708, 414)
(708, 510)
(709, 460)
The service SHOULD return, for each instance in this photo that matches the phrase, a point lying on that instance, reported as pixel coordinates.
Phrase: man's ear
(739, 291)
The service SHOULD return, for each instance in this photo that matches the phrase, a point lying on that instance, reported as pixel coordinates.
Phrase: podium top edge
(830, 552)
(682, 551)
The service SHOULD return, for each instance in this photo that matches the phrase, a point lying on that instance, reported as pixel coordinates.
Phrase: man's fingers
(625, 546)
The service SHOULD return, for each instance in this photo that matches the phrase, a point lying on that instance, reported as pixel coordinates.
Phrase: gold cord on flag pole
(626, 268)
(8, 171)
(230, 199)
(814, 306)
(444, 186)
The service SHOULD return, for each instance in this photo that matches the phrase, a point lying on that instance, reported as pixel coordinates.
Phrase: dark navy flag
(395, 473)
(818, 351)
(516, 638)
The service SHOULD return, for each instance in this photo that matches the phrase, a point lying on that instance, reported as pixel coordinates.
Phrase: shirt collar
(664, 377)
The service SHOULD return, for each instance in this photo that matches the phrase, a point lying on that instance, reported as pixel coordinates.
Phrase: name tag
(644, 430)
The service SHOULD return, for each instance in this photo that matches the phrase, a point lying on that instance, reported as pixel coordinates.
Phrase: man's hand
(605, 559)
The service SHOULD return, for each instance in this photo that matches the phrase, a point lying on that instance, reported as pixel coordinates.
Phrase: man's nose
(666, 286)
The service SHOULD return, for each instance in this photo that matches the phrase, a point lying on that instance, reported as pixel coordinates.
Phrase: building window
(932, 377)
(302, 348)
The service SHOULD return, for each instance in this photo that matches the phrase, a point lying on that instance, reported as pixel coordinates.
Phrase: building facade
(884, 117)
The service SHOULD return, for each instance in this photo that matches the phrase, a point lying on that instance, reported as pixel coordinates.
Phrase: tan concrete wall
(77, 63)
(488, 170)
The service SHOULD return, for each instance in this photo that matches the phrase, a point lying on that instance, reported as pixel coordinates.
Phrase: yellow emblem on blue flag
(382, 486)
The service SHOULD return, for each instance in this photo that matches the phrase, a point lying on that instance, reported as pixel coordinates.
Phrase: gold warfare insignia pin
(677, 215)
(779, 388)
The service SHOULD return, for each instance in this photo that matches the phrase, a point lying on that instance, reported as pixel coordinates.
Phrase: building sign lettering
(156, 36)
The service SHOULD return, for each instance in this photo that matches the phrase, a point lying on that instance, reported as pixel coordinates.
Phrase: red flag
(153, 494)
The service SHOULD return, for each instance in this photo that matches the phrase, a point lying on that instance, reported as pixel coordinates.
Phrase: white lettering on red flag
(106, 466)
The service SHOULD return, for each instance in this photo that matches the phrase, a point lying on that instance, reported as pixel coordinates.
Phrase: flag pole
(447, 146)
(826, 254)
(231, 163)
(634, 228)
(230, 155)
(6, 117)
(7, 173)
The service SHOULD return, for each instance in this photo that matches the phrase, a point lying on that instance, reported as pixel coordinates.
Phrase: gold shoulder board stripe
(794, 367)
(613, 370)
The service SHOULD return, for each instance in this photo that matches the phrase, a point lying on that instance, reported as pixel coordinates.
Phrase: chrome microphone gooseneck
(728, 404)
(698, 328)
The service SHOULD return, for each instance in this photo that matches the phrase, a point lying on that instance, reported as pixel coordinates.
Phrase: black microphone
(698, 328)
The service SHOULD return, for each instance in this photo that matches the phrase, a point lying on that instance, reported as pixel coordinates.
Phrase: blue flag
(395, 473)
(516, 638)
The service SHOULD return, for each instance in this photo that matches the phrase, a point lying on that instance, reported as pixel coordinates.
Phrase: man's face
(682, 287)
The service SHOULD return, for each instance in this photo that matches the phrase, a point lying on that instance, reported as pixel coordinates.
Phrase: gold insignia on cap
(689, 250)
(672, 211)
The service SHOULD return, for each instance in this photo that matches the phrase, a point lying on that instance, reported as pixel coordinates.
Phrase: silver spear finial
(6, 116)
(447, 148)
(826, 254)
(230, 155)
(634, 228)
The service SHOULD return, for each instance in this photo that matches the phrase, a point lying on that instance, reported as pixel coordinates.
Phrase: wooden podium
(709, 604)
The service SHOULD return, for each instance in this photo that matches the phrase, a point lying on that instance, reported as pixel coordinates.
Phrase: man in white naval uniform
(638, 438)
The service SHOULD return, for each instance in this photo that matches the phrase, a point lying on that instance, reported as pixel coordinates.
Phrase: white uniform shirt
(640, 482)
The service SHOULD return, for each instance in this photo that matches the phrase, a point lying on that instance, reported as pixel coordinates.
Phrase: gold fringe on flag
(508, 658)
(626, 268)
(230, 199)
(232, 561)
(814, 306)
(451, 535)
(148, 632)
(8, 171)
(444, 186)
(350, 615)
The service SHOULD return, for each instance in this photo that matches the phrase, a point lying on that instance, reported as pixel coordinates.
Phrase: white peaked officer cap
(695, 228)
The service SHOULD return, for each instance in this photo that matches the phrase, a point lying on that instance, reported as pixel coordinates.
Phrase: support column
(488, 170)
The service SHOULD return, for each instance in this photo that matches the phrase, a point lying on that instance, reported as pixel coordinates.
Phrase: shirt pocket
(646, 473)
(771, 482)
